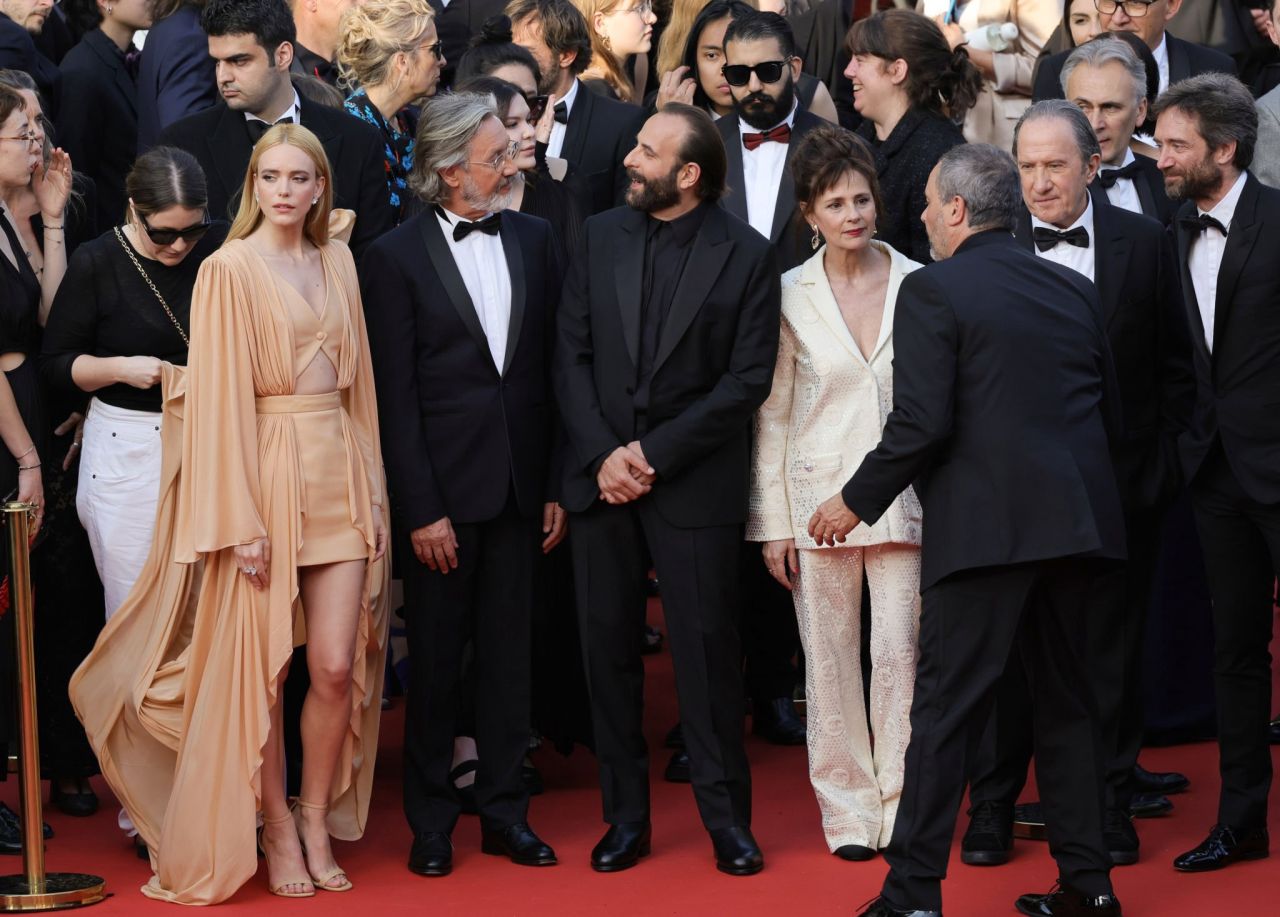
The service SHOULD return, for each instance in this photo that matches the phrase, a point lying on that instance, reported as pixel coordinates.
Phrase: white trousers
(119, 487)
(858, 782)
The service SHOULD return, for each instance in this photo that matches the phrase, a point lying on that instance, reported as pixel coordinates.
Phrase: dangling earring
(604, 40)
(817, 238)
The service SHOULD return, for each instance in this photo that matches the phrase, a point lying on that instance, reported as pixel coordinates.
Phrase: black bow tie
(561, 113)
(1203, 221)
(257, 128)
(489, 226)
(1108, 177)
(1046, 238)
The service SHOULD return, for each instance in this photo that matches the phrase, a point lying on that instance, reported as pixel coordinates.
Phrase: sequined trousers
(855, 766)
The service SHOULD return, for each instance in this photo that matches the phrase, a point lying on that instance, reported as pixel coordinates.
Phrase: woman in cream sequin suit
(832, 390)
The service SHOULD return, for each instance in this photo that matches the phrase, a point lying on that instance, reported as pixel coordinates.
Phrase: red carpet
(800, 877)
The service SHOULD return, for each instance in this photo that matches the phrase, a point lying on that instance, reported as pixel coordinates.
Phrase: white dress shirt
(294, 111)
(1077, 258)
(483, 265)
(1124, 193)
(1161, 54)
(1204, 258)
(762, 174)
(556, 143)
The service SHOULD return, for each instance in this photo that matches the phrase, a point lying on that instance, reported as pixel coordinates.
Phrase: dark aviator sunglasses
(769, 71)
(162, 236)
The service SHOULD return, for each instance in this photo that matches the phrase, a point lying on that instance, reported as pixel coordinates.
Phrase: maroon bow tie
(779, 134)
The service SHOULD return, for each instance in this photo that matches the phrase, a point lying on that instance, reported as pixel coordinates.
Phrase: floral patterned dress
(397, 151)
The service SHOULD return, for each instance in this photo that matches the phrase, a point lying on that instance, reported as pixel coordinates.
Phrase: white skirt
(118, 490)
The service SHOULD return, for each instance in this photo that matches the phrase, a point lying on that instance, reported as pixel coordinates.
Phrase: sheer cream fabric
(177, 693)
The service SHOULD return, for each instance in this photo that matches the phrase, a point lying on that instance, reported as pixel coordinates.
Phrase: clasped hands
(832, 522)
(626, 475)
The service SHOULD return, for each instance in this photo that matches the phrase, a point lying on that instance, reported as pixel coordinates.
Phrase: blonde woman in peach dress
(269, 534)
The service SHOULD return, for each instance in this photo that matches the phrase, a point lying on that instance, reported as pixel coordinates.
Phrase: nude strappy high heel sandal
(323, 883)
(280, 889)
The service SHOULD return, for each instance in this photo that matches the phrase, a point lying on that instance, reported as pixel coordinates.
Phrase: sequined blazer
(824, 413)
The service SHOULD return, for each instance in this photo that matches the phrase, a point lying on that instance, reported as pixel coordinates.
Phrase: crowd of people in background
(923, 355)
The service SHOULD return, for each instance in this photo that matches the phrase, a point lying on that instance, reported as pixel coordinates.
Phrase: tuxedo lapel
(1240, 241)
(1179, 59)
(106, 52)
(1182, 239)
(575, 130)
(451, 279)
(1110, 259)
(736, 200)
(230, 150)
(627, 279)
(1146, 196)
(813, 278)
(514, 254)
(785, 207)
(711, 249)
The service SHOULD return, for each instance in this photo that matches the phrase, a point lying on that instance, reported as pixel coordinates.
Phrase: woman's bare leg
(286, 869)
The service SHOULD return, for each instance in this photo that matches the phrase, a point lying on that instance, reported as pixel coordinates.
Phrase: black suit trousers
(770, 634)
(487, 602)
(1122, 596)
(1241, 542)
(970, 623)
(698, 569)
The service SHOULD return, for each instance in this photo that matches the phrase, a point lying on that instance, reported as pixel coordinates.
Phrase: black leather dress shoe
(675, 737)
(677, 768)
(80, 805)
(1163, 783)
(1149, 805)
(881, 908)
(621, 847)
(1120, 837)
(519, 844)
(11, 831)
(854, 853)
(431, 854)
(989, 838)
(1223, 847)
(777, 722)
(737, 852)
(1065, 901)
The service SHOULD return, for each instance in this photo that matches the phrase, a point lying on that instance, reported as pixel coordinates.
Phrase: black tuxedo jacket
(1185, 59)
(456, 23)
(1002, 408)
(712, 369)
(176, 76)
(1149, 183)
(1136, 276)
(457, 435)
(788, 235)
(598, 136)
(98, 120)
(1238, 400)
(219, 140)
(18, 51)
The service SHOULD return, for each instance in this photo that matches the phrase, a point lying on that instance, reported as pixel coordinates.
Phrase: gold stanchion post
(34, 890)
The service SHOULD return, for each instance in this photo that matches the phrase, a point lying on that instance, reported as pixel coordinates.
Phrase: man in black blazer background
(462, 299)
(1228, 246)
(252, 42)
(19, 21)
(593, 134)
(1003, 393)
(1109, 84)
(761, 68)
(1130, 261)
(176, 77)
(1177, 59)
(666, 339)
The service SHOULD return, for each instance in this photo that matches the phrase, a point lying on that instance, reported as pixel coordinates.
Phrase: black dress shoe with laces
(1065, 901)
(1162, 783)
(1120, 837)
(1149, 805)
(881, 908)
(621, 847)
(11, 831)
(777, 722)
(678, 768)
(854, 853)
(989, 837)
(517, 843)
(737, 852)
(431, 854)
(1225, 846)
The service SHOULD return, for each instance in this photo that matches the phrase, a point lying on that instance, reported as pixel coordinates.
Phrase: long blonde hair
(249, 216)
(603, 60)
(675, 36)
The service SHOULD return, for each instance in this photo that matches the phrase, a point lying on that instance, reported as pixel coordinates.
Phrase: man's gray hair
(1103, 51)
(986, 179)
(1062, 110)
(447, 125)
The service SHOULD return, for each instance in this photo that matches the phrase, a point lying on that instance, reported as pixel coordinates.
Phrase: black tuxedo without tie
(599, 133)
(467, 425)
(687, 390)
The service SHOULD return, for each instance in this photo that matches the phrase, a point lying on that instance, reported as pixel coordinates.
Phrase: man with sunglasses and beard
(666, 340)
(761, 69)
(461, 298)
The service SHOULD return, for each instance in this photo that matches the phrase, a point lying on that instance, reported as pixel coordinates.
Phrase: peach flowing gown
(177, 693)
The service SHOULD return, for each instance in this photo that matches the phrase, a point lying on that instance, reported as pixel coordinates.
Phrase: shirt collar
(570, 97)
(450, 219)
(683, 228)
(1085, 220)
(1225, 210)
(294, 111)
(789, 121)
(1128, 158)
